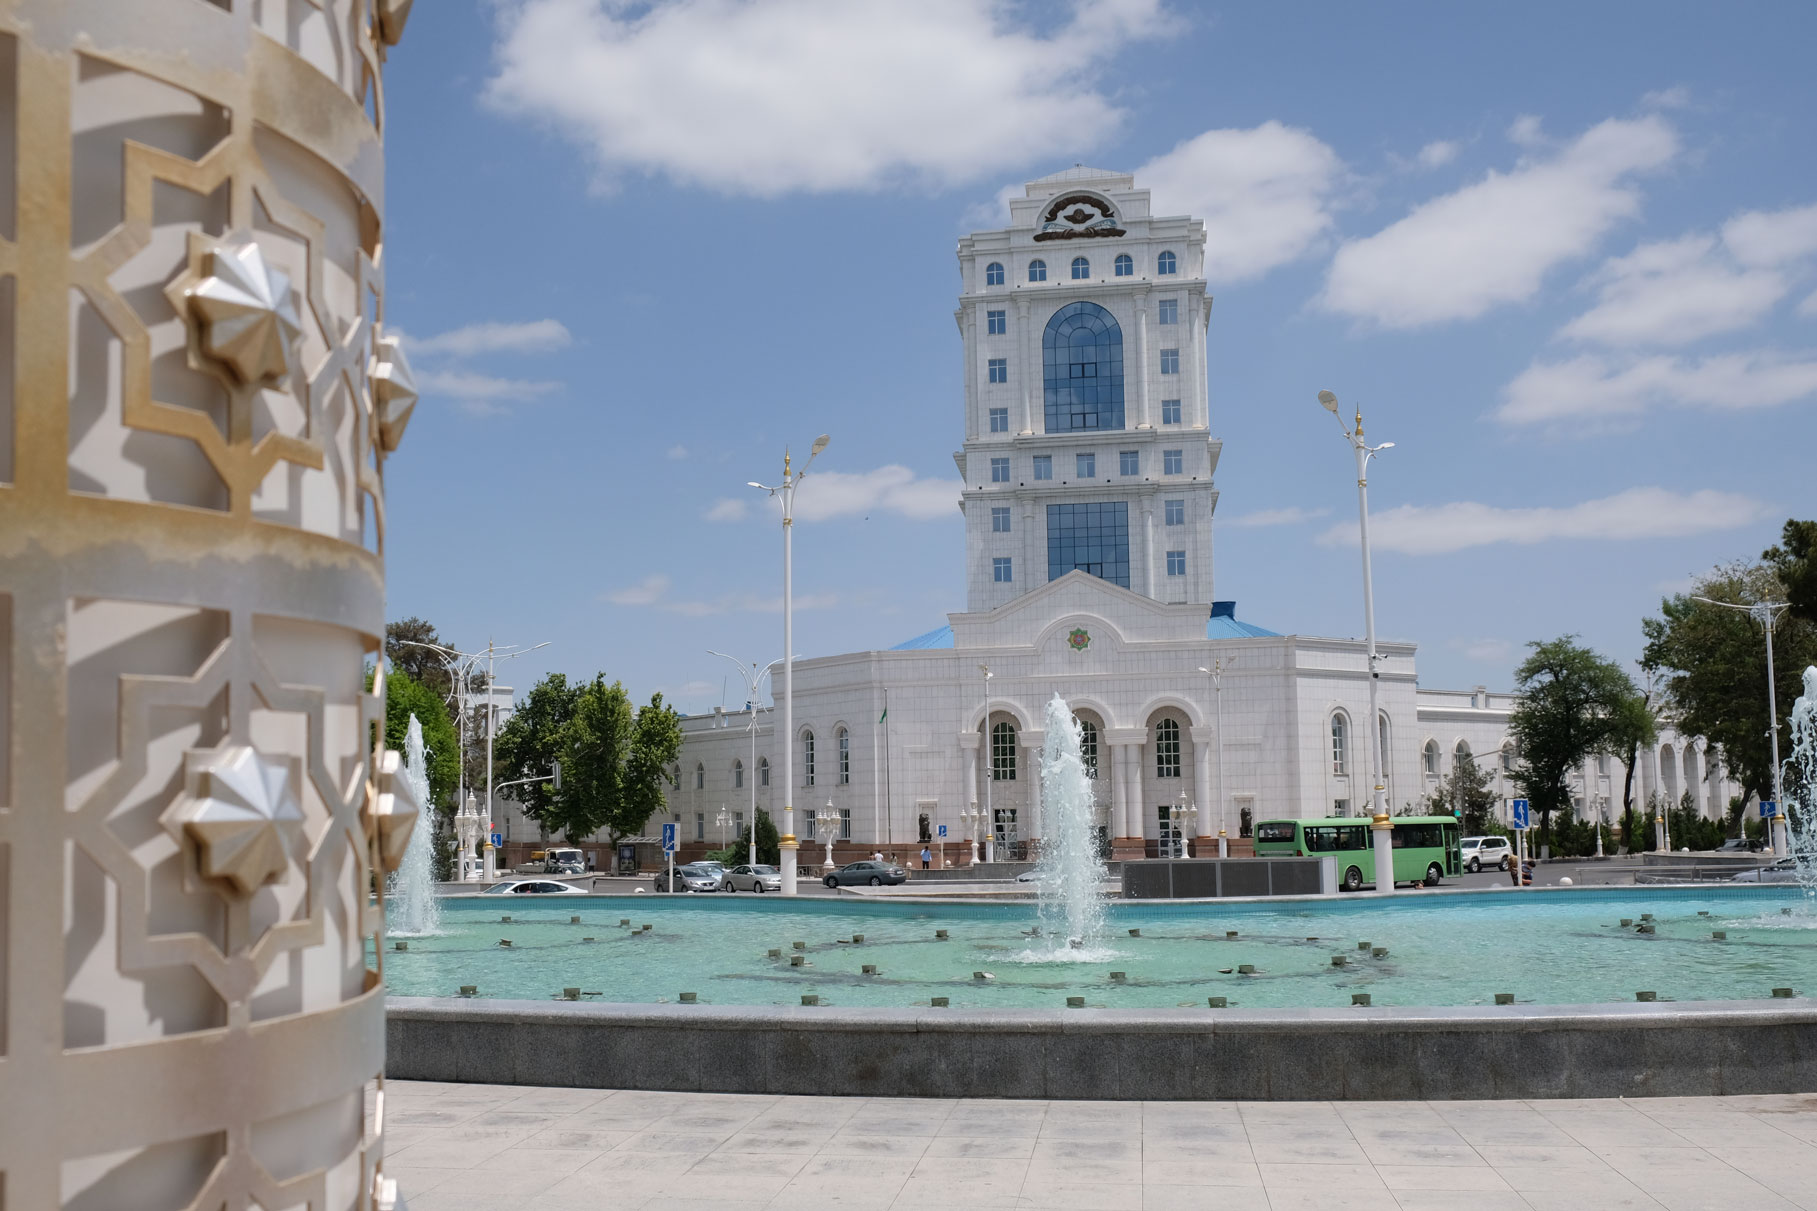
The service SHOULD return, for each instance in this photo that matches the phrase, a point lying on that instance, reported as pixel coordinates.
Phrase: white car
(758, 878)
(534, 887)
(1479, 852)
(1783, 871)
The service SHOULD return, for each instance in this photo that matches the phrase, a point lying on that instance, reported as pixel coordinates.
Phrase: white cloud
(728, 509)
(1592, 388)
(648, 591)
(891, 489)
(481, 394)
(1635, 513)
(1291, 516)
(1437, 153)
(1676, 97)
(1524, 131)
(769, 97)
(1263, 194)
(1808, 308)
(1491, 243)
(1672, 292)
(678, 451)
(653, 590)
(537, 336)
(1486, 649)
(1769, 238)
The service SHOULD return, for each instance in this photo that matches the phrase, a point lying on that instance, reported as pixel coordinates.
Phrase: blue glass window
(1000, 569)
(999, 420)
(1170, 412)
(1037, 271)
(1129, 462)
(1165, 264)
(1170, 361)
(1089, 537)
(999, 368)
(1044, 466)
(993, 274)
(1169, 311)
(1172, 462)
(1000, 520)
(997, 322)
(999, 470)
(1176, 563)
(1081, 269)
(1082, 369)
(1176, 512)
(1125, 266)
(1086, 465)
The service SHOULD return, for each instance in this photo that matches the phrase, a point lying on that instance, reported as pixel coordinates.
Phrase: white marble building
(1089, 496)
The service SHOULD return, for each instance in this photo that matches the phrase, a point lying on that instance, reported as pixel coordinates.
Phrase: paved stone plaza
(499, 1147)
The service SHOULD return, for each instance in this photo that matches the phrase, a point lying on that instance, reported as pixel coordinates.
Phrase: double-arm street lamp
(785, 492)
(1766, 613)
(752, 677)
(1216, 673)
(1384, 826)
(990, 771)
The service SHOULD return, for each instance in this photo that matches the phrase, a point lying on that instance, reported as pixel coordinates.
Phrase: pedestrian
(927, 858)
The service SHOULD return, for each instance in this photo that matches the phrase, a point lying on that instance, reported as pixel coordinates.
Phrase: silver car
(753, 878)
(691, 877)
(1783, 871)
(1478, 852)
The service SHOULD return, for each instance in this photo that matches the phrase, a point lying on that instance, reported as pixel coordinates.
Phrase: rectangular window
(1129, 462)
(1086, 465)
(1000, 569)
(999, 470)
(1176, 563)
(1170, 311)
(700, 826)
(997, 322)
(1176, 512)
(1089, 537)
(845, 824)
(999, 367)
(1170, 361)
(999, 420)
(1173, 462)
(1044, 466)
(1170, 412)
(1000, 520)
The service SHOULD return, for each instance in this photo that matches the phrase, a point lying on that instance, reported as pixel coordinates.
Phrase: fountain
(1071, 869)
(416, 913)
(1800, 785)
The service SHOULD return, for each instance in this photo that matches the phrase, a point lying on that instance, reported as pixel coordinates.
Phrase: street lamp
(1384, 851)
(1216, 673)
(971, 818)
(1602, 815)
(990, 770)
(1766, 613)
(751, 678)
(724, 818)
(785, 492)
(1185, 815)
(828, 819)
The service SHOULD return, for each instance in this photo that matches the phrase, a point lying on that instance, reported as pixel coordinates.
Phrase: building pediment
(1129, 618)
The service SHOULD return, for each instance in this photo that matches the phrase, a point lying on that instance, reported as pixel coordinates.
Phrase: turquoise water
(1545, 947)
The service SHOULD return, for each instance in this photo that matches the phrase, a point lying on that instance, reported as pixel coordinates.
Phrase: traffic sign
(1522, 818)
(943, 830)
(498, 840)
(669, 841)
(1768, 809)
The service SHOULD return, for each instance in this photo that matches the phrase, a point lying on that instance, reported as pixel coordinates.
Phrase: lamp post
(990, 771)
(1384, 851)
(1216, 673)
(1766, 613)
(785, 492)
(1602, 814)
(1185, 814)
(971, 818)
(828, 820)
(752, 677)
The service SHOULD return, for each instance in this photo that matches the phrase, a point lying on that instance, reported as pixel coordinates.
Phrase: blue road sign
(943, 830)
(1768, 809)
(1522, 819)
(669, 840)
(498, 839)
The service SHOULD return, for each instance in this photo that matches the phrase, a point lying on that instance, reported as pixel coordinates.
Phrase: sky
(1564, 256)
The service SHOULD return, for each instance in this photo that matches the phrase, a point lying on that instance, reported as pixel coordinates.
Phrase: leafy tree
(1639, 728)
(406, 696)
(534, 738)
(1467, 793)
(655, 743)
(598, 744)
(1794, 561)
(769, 842)
(424, 666)
(1573, 704)
(1715, 660)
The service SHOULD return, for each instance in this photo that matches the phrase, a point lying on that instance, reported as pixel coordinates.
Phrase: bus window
(1276, 830)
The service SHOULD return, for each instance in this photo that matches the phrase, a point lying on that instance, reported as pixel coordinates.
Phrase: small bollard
(570, 994)
(400, 946)
(1135, 933)
(1119, 976)
(1230, 933)
(1646, 996)
(624, 920)
(938, 1002)
(469, 990)
(796, 961)
(982, 975)
(1362, 946)
(1646, 916)
(1379, 952)
(1719, 935)
(870, 969)
(1245, 969)
(1338, 960)
(1626, 921)
(689, 998)
(1785, 912)
(586, 939)
(1075, 1002)
(1783, 992)
(857, 938)
(647, 928)
(940, 935)
(1647, 929)
(1216, 1002)
(810, 999)
(504, 941)
(1703, 912)
(574, 920)
(1504, 998)
(800, 945)
(1359, 998)
(1312, 939)
(504, 918)
(775, 952)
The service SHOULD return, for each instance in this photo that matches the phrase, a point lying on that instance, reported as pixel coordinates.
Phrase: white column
(1143, 374)
(1148, 544)
(1029, 371)
(1192, 362)
(968, 758)
(1030, 827)
(1693, 769)
(1033, 570)
(1202, 792)
(1119, 788)
(1138, 807)
(974, 382)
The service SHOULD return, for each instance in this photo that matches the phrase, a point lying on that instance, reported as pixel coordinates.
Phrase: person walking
(927, 859)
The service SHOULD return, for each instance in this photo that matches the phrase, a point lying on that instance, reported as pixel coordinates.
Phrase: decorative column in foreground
(197, 398)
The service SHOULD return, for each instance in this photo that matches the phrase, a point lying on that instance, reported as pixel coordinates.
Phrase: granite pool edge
(1662, 1049)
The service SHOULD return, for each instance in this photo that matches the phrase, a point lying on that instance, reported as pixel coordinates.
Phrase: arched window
(1081, 269)
(1340, 744)
(1003, 751)
(737, 775)
(1088, 747)
(807, 758)
(1037, 271)
(1167, 749)
(844, 740)
(1508, 756)
(993, 274)
(1165, 264)
(1431, 758)
(1126, 267)
(1462, 752)
(763, 771)
(1082, 357)
(700, 776)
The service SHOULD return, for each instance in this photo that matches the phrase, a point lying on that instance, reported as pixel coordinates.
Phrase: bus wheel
(1353, 879)
(1433, 875)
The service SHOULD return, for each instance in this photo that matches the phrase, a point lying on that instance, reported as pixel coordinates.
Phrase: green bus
(1425, 847)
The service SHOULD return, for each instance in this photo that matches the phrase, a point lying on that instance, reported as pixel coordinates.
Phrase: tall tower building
(1087, 435)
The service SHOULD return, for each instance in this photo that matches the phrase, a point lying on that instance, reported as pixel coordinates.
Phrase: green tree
(597, 744)
(655, 743)
(406, 696)
(1573, 704)
(1794, 562)
(1715, 661)
(424, 666)
(1468, 794)
(533, 739)
(1637, 728)
(769, 841)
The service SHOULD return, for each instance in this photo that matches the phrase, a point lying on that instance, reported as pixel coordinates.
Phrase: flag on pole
(885, 715)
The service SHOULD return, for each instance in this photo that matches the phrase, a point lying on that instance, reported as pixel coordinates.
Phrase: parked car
(1739, 845)
(1783, 871)
(753, 878)
(1478, 852)
(868, 871)
(533, 887)
(695, 876)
